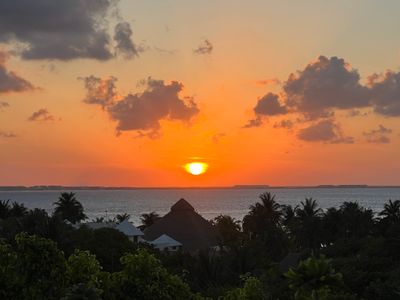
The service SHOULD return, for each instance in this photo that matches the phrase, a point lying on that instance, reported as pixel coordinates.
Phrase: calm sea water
(208, 202)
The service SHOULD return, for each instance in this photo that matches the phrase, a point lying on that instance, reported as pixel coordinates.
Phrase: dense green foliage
(347, 252)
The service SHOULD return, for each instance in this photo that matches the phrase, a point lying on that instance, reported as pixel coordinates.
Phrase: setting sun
(196, 168)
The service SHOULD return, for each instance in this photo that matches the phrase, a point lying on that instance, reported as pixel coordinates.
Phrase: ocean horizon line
(240, 186)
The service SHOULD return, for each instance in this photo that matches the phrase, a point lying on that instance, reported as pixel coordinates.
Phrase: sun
(196, 168)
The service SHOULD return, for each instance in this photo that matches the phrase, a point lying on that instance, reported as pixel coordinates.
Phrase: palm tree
(263, 216)
(356, 221)
(309, 209)
(289, 219)
(4, 209)
(308, 226)
(98, 220)
(68, 208)
(228, 229)
(391, 211)
(149, 219)
(122, 217)
(18, 210)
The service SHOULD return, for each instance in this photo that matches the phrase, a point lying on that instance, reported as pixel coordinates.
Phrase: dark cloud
(385, 93)
(287, 124)
(269, 106)
(42, 115)
(62, 29)
(270, 81)
(3, 105)
(142, 112)
(205, 48)
(4, 134)
(324, 131)
(256, 122)
(123, 38)
(99, 91)
(356, 113)
(9, 81)
(322, 88)
(378, 136)
(328, 83)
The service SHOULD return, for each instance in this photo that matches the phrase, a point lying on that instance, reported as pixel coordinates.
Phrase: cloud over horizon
(205, 48)
(324, 87)
(141, 112)
(378, 136)
(10, 81)
(42, 115)
(326, 131)
(63, 29)
(123, 38)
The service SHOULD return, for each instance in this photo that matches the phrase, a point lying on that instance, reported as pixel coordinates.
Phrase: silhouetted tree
(308, 227)
(68, 208)
(229, 230)
(149, 219)
(122, 217)
(263, 216)
(18, 210)
(356, 221)
(4, 209)
(98, 220)
(314, 279)
(391, 212)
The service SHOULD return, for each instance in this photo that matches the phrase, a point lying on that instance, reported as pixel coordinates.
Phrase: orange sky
(212, 66)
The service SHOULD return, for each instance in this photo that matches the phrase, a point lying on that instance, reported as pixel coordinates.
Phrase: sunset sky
(101, 92)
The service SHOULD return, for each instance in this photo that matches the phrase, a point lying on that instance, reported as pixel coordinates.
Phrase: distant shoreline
(237, 187)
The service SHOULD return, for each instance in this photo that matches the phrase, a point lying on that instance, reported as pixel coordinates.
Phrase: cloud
(324, 131)
(287, 124)
(378, 136)
(42, 115)
(62, 29)
(141, 112)
(270, 81)
(123, 38)
(266, 106)
(256, 122)
(205, 48)
(3, 105)
(4, 134)
(326, 84)
(269, 106)
(99, 91)
(10, 81)
(385, 93)
(317, 92)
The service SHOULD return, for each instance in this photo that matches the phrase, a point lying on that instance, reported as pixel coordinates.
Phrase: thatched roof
(186, 226)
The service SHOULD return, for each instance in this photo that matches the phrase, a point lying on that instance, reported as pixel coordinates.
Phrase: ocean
(208, 202)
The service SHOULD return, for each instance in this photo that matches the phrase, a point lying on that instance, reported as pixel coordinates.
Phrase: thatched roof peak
(182, 205)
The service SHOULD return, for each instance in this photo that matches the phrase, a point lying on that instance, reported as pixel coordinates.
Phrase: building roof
(165, 241)
(185, 225)
(125, 227)
(129, 229)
